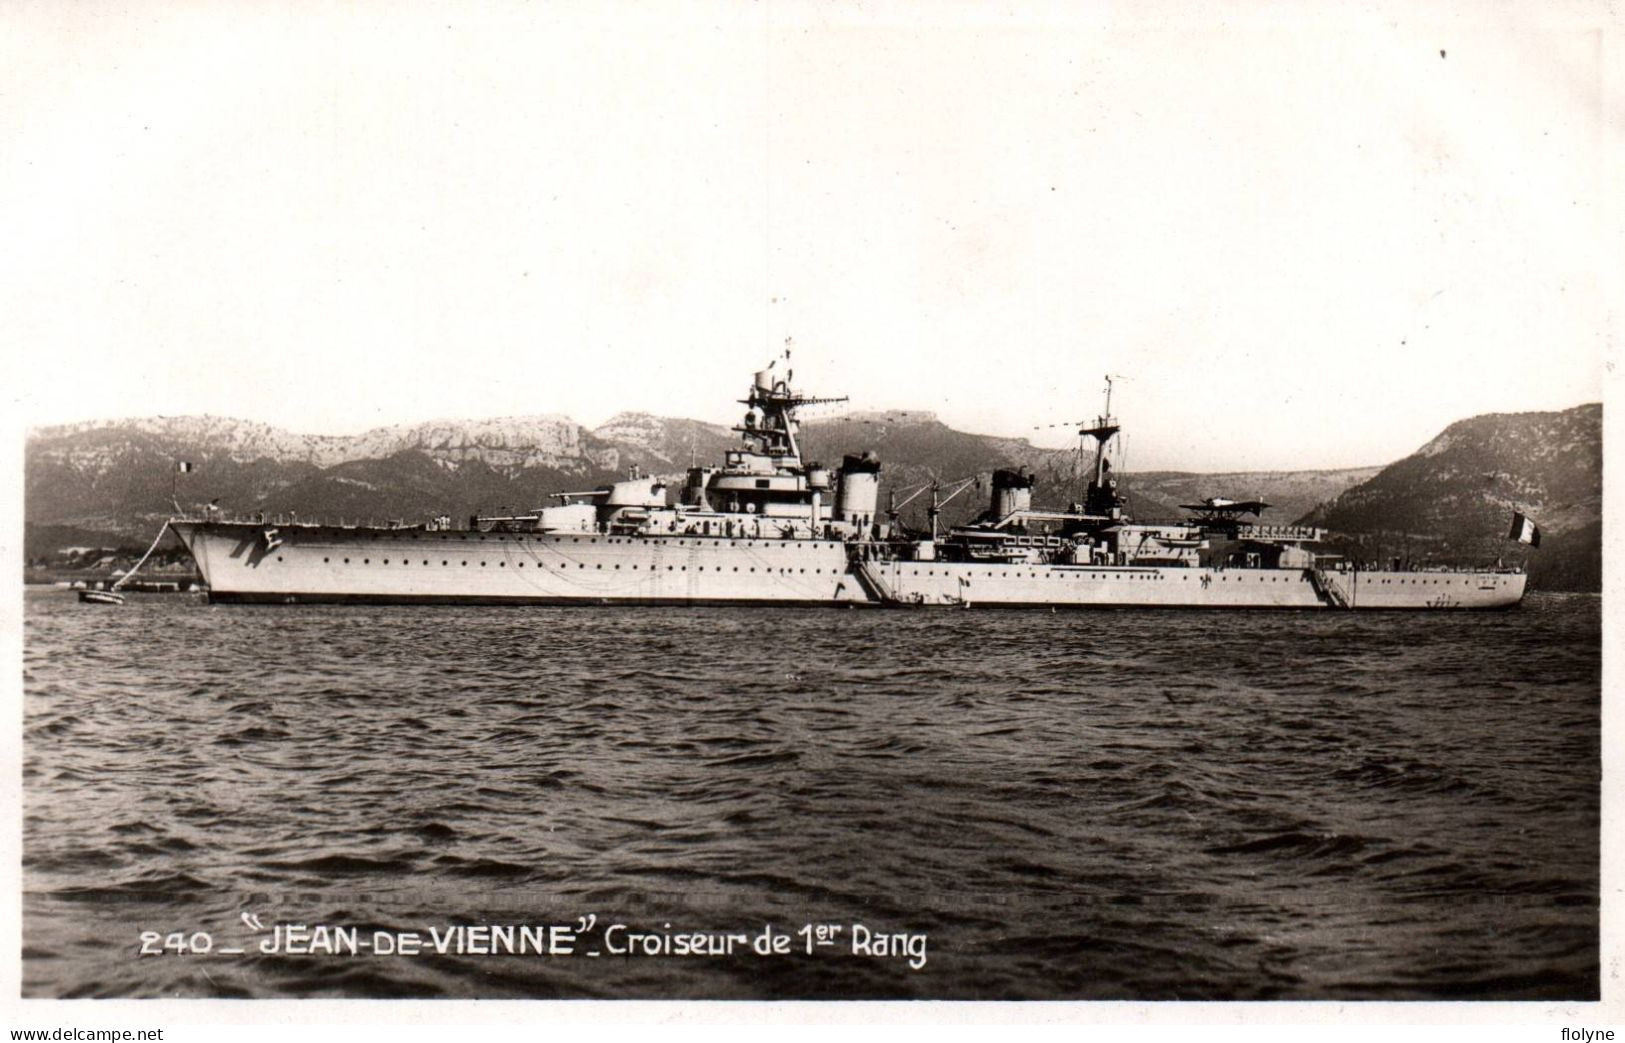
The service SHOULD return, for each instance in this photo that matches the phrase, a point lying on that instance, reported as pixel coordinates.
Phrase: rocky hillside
(917, 447)
(1454, 498)
(117, 477)
(104, 482)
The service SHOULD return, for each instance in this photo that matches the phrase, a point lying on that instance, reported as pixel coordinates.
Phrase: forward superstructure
(768, 527)
(763, 527)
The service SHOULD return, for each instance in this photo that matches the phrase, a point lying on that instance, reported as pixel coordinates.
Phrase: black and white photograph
(1088, 503)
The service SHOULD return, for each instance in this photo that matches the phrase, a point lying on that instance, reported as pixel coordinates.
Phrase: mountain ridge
(113, 479)
(1453, 497)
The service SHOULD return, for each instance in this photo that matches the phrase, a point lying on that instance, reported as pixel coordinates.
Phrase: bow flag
(1524, 530)
(182, 466)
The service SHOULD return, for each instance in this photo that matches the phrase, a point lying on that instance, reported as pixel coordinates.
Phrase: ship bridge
(763, 488)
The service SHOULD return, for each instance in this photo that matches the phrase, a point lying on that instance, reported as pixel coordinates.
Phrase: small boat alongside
(111, 596)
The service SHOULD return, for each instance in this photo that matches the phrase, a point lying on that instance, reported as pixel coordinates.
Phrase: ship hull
(330, 564)
(1040, 586)
(255, 563)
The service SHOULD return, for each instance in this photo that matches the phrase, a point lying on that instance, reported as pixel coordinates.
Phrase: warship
(768, 527)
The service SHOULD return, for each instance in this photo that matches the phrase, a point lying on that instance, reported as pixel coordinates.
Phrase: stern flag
(1524, 530)
(182, 466)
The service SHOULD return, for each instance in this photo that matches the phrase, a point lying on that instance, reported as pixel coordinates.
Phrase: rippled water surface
(1090, 805)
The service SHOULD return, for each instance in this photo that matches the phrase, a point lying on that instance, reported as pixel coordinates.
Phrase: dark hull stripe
(235, 598)
(226, 597)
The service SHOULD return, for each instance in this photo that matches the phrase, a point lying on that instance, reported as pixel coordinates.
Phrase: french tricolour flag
(182, 466)
(1524, 531)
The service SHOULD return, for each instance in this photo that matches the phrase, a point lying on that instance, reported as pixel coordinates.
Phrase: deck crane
(938, 501)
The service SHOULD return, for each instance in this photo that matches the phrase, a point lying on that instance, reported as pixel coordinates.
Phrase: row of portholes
(932, 572)
(1029, 575)
(1432, 582)
(1118, 575)
(582, 565)
(1261, 579)
(1051, 575)
(712, 541)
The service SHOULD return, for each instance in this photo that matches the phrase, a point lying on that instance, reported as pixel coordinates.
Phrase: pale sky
(1305, 239)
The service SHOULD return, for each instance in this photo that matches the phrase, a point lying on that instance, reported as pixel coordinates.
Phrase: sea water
(779, 803)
